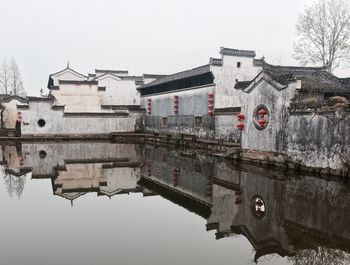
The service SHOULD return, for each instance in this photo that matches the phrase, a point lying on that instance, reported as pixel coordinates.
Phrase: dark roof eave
(178, 76)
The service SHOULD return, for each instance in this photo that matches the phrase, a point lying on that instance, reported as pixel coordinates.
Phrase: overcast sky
(150, 36)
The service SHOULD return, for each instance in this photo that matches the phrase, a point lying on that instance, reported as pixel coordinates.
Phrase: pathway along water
(103, 203)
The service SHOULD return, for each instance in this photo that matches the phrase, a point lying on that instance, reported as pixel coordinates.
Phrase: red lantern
(210, 113)
(210, 107)
(262, 112)
(238, 201)
(240, 116)
(240, 126)
(210, 95)
(262, 122)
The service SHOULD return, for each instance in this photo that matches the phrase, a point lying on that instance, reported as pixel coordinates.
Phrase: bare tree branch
(324, 34)
(5, 77)
(16, 84)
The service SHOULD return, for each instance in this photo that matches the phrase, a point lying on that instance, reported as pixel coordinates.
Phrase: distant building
(282, 108)
(190, 101)
(91, 93)
(99, 103)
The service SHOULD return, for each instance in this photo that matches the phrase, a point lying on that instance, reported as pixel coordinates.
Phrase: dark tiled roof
(181, 75)
(313, 79)
(136, 78)
(215, 61)
(242, 84)
(8, 98)
(258, 62)
(155, 76)
(345, 81)
(235, 52)
(78, 82)
(105, 74)
(40, 99)
(112, 71)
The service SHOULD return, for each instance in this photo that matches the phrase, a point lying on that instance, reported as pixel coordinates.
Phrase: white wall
(79, 98)
(225, 78)
(191, 102)
(61, 123)
(271, 138)
(118, 91)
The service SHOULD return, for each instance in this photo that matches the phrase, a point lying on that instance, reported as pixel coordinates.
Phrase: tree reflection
(15, 184)
(320, 256)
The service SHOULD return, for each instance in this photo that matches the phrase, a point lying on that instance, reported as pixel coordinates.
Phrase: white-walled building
(103, 102)
(78, 92)
(194, 100)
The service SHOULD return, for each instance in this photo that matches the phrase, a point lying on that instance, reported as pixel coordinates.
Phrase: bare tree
(324, 34)
(5, 77)
(16, 83)
(15, 184)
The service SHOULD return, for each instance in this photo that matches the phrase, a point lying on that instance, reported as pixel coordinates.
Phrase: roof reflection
(302, 217)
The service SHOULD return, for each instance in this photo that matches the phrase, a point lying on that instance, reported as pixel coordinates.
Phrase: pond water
(102, 203)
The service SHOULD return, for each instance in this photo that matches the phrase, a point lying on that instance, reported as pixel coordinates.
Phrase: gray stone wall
(319, 139)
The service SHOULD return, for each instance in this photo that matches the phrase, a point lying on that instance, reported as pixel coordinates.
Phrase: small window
(198, 121)
(258, 207)
(261, 117)
(41, 123)
(42, 154)
(164, 121)
(238, 64)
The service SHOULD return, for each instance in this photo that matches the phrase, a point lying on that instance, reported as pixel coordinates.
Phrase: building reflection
(78, 168)
(302, 217)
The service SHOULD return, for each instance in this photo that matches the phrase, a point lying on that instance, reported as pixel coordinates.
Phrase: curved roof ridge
(67, 68)
(295, 68)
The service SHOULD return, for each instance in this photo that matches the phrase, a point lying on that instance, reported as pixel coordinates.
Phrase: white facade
(78, 92)
(42, 117)
(118, 90)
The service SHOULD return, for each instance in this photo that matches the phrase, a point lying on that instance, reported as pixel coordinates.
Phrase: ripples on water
(103, 203)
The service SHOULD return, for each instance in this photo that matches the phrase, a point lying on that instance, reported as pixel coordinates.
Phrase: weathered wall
(319, 139)
(56, 121)
(192, 103)
(192, 174)
(273, 137)
(225, 128)
(79, 98)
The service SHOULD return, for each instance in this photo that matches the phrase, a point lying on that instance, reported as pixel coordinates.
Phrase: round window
(258, 207)
(42, 154)
(261, 117)
(41, 122)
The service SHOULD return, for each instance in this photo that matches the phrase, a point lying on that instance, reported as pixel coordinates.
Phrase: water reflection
(302, 218)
